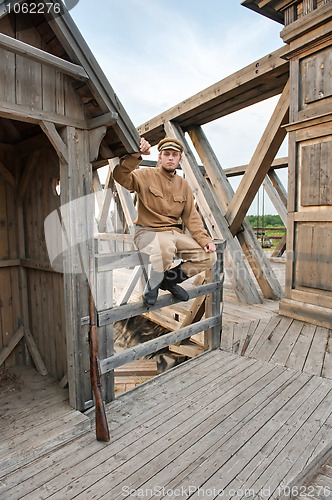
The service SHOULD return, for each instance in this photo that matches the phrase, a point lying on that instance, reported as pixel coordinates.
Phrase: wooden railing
(130, 310)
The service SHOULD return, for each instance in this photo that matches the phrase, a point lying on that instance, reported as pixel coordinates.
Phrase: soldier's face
(170, 159)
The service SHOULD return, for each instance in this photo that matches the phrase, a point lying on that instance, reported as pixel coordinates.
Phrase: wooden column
(309, 226)
(76, 182)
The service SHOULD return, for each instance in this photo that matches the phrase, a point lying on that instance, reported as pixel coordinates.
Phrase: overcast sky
(157, 53)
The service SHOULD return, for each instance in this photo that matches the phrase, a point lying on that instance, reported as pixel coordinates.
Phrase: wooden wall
(45, 287)
(309, 225)
(28, 83)
(10, 315)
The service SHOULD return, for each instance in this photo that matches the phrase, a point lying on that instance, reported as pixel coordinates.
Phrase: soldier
(165, 201)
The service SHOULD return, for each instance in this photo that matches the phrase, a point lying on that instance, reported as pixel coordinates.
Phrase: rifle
(102, 431)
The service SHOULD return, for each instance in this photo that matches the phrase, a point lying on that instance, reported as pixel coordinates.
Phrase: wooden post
(213, 301)
(260, 163)
(73, 176)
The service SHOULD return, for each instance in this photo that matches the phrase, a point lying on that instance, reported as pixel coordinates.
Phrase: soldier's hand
(210, 247)
(144, 148)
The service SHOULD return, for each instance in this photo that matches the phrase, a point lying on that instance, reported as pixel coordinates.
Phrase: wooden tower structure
(308, 29)
(59, 120)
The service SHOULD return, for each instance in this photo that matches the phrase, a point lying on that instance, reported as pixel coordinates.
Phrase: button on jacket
(163, 198)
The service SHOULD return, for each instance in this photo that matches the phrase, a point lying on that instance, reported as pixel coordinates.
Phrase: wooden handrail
(153, 345)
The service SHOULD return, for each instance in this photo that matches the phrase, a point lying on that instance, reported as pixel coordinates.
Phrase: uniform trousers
(165, 246)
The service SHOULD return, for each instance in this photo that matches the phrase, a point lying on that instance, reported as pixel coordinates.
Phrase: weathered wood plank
(55, 139)
(134, 309)
(260, 163)
(218, 99)
(35, 54)
(14, 340)
(200, 380)
(154, 345)
(247, 239)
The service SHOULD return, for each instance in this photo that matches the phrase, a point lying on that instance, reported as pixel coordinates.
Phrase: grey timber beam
(33, 115)
(232, 171)
(117, 313)
(76, 236)
(254, 83)
(8, 176)
(212, 212)
(153, 345)
(40, 56)
(278, 186)
(240, 170)
(105, 120)
(56, 140)
(255, 255)
(276, 200)
(260, 163)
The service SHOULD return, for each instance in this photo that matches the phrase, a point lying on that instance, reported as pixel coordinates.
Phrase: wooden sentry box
(59, 120)
(308, 28)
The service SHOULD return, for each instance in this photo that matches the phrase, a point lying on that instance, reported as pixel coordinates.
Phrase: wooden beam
(132, 309)
(127, 204)
(23, 49)
(35, 354)
(281, 247)
(255, 255)
(254, 83)
(14, 340)
(212, 212)
(279, 187)
(8, 176)
(129, 288)
(240, 170)
(107, 197)
(232, 171)
(9, 263)
(105, 120)
(154, 345)
(55, 139)
(27, 174)
(260, 163)
(33, 115)
(275, 198)
(124, 238)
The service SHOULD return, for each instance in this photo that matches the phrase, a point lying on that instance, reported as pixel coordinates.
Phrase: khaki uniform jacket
(163, 198)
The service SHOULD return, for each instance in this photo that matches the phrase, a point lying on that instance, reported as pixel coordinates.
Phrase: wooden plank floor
(283, 341)
(217, 423)
(318, 487)
(35, 418)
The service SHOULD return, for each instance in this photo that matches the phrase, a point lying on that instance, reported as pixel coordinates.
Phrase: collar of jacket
(166, 174)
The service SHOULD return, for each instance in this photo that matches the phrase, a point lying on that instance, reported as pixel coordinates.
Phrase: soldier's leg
(161, 249)
(194, 256)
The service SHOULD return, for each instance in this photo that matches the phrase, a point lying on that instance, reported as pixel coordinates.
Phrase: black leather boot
(150, 293)
(170, 282)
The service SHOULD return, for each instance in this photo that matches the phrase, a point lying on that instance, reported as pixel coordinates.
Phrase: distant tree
(269, 220)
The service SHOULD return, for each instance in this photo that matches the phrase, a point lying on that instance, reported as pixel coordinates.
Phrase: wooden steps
(35, 418)
(134, 373)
